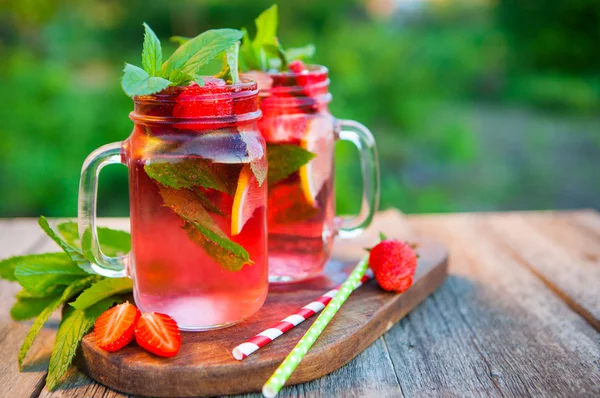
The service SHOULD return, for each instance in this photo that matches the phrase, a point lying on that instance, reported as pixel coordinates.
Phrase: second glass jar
(301, 133)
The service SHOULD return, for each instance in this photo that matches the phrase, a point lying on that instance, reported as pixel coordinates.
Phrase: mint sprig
(264, 52)
(284, 160)
(183, 66)
(52, 279)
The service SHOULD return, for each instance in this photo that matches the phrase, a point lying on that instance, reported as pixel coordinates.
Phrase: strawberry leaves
(184, 65)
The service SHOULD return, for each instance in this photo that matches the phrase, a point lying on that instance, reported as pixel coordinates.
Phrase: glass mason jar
(198, 191)
(301, 133)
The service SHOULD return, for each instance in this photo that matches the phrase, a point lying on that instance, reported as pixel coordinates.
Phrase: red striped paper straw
(266, 336)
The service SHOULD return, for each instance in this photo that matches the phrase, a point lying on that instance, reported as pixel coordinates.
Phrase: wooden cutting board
(205, 366)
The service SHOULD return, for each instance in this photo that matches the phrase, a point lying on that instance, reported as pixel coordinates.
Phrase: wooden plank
(77, 384)
(565, 257)
(587, 220)
(370, 374)
(493, 329)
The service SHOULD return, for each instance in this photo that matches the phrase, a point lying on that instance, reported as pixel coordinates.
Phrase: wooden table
(518, 316)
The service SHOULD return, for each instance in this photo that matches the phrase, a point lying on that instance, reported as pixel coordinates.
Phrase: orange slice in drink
(246, 200)
(318, 139)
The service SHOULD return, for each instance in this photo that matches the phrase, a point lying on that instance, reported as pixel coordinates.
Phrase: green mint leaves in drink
(51, 280)
(194, 172)
(184, 65)
(264, 52)
(182, 185)
(284, 160)
(203, 230)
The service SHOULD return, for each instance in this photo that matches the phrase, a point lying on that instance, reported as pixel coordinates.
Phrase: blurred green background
(475, 105)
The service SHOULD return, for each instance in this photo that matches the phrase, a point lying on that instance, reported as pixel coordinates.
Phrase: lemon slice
(247, 199)
(318, 139)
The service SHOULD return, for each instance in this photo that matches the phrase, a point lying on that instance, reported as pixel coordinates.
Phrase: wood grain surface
(506, 323)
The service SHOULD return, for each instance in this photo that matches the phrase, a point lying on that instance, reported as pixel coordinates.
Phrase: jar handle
(111, 267)
(361, 137)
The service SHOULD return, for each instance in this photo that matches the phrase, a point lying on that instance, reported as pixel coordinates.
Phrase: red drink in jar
(301, 133)
(197, 172)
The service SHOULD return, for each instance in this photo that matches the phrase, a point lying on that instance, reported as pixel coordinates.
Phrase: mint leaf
(73, 326)
(69, 232)
(229, 72)
(198, 80)
(194, 172)
(42, 274)
(301, 53)
(179, 40)
(137, 81)
(203, 230)
(50, 292)
(266, 32)
(265, 52)
(8, 266)
(75, 254)
(275, 50)
(113, 242)
(71, 290)
(231, 55)
(197, 52)
(290, 209)
(29, 308)
(248, 57)
(285, 159)
(178, 78)
(101, 290)
(151, 52)
(207, 203)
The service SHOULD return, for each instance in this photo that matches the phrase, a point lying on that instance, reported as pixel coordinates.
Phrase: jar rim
(293, 90)
(313, 70)
(225, 105)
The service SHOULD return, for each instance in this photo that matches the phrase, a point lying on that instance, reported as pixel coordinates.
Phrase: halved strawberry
(158, 334)
(115, 327)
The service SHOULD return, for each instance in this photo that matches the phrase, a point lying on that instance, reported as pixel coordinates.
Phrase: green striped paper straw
(289, 364)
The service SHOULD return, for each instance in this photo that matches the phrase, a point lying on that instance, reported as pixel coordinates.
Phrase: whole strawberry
(394, 263)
